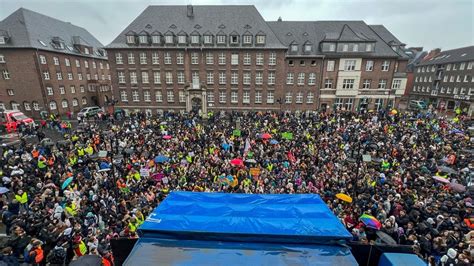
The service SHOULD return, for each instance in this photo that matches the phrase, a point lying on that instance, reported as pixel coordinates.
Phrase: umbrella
(236, 162)
(440, 179)
(344, 197)
(164, 123)
(225, 146)
(161, 159)
(447, 170)
(87, 260)
(266, 136)
(250, 161)
(456, 131)
(167, 137)
(273, 141)
(3, 190)
(370, 221)
(66, 182)
(386, 238)
(457, 187)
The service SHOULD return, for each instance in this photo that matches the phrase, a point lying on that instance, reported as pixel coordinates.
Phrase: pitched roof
(388, 38)
(289, 31)
(225, 18)
(462, 54)
(29, 29)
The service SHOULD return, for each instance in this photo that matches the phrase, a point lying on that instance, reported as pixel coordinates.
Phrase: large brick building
(229, 58)
(50, 65)
(446, 80)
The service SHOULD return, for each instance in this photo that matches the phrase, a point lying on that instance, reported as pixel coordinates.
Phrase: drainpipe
(42, 85)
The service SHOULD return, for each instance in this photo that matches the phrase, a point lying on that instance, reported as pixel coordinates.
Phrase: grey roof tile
(214, 19)
(29, 29)
(462, 54)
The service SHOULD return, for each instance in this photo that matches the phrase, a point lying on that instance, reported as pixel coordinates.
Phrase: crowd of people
(63, 200)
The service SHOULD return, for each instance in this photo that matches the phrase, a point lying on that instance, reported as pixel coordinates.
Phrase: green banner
(236, 133)
(287, 135)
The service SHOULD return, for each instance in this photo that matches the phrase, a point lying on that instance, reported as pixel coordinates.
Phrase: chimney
(279, 19)
(190, 12)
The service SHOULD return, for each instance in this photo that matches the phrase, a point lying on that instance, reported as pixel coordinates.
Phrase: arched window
(52, 105)
(64, 103)
(2, 106)
(75, 102)
(84, 100)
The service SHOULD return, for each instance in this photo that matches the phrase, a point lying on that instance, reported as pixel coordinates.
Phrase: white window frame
(259, 59)
(182, 39)
(288, 97)
(56, 61)
(221, 39)
(368, 47)
(270, 97)
(133, 77)
(167, 58)
(180, 77)
(328, 83)
(247, 39)
(366, 84)
(155, 39)
(194, 58)
(246, 97)
(271, 78)
(301, 79)
(234, 96)
(290, 78)
(260, 39)
(210, 77)
(146, 96)
(158, 96)
(258, 97)
(222, 96)
(385, 65)
(349, 65)
(234, 78)
(234, 59)
(143, 59)
(130, 39)
(194, 39)
(348, 84)
(396, 84)
(222, 58)
(310, 98)
(247, 78)
(64, 104)
(135, 96)
(156, 77)
(69, 76)
(169, 77)
(272, 59)
(247, 59)
(330, 65)
(209, 58)
(369, 65)
(210, 97)
(53, 105)
(145, 77)
(155, 58)
(222, 78)
(131, 58)
(382, 84)
(299, 97)
(43, 60)
(59, 75)
(169, 39)
(180, 58)
(312, 79)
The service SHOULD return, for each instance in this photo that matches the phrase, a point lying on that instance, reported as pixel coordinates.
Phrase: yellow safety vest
(22, 199)
(89, 150)
(132, 227)
(71, 210)
(80, 152)
(41, 164)
(72, 160)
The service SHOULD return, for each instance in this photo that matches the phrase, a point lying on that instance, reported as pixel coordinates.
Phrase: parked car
(11, 119)
(417, 105)
(89, 112)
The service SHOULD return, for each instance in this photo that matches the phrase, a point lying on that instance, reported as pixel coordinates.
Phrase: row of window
(453, 66)
(222, 94)
(209, 58)
(67, 62)
(27, 106)
(195, 39)
(366, 84)
(346, 47)
(70, 76)
(210, 78)
(62, 89)
(447, 90)
(458, 78)
(348, 103)
(350, 65)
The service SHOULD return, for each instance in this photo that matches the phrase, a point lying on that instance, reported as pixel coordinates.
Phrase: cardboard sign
(254, 171)
(144, 172)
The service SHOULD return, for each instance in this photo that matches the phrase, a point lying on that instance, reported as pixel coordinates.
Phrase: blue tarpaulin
(152, 251)
(297, 218)
(190, 228)
(400, 259)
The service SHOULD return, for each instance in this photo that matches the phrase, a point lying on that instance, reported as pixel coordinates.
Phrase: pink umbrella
(167, 137)
(440, 179)
(237, 162)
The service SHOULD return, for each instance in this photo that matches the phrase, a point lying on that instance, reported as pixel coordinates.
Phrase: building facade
(228, 58)
(50, 66)
(446, 80)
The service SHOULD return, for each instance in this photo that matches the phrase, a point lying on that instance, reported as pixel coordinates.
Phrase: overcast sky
(446, 24)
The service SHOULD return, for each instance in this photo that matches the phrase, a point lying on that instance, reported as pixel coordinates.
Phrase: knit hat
(452, 253)
(430, 220)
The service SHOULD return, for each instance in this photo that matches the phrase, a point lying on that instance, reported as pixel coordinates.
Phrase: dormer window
(143, 39)
(394, 47)
(169, 39)
(58, 43)
(86, 50)
(345, 47)
(182, 39)
(332, 47)
(368, 47)
(260, 39)
(195, 39)
(294, 48)
(130, 39)
(3, 39)
(247, 39)
(207, 39)
(234, 39)
(355, 48)
(220, 39)
(155, 39)
(307, 48)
